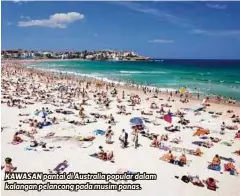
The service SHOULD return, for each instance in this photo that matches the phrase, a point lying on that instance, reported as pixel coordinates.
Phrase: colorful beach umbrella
(99, 84)
(182, 90)
(136, 121)
(168, 118)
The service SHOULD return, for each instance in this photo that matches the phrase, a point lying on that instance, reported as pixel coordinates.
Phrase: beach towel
(214, 167)
(86, 144)
(60, 167)
(188, 151)
(29, 148)
(16, 143)
(176, 149)
(95, 155)
(165, 148)
(226, 143)
(200, 132)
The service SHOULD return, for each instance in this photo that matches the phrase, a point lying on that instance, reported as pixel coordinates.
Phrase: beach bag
(185, 179)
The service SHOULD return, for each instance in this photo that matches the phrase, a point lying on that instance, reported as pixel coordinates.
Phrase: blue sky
(155, 29)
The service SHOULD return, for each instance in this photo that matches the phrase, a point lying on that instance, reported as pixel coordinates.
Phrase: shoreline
(125, 84)
(128, 85)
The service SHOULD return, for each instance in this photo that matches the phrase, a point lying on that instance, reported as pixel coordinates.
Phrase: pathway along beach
(55, 123)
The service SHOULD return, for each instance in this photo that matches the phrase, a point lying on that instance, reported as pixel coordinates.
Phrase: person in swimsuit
(8, 166)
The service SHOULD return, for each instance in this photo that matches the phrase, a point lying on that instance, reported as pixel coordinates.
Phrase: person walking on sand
(81, 114)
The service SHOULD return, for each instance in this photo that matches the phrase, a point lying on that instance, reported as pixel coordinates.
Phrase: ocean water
(209, 77)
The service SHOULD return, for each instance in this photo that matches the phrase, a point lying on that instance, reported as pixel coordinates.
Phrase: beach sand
(142, 159)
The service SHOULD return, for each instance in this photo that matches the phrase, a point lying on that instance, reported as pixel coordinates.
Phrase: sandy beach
(47, 119)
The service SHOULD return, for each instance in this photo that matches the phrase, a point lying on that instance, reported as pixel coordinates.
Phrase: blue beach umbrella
(136, 121)
(99, 132)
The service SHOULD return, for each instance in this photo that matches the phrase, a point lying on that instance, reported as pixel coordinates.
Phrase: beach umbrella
(182, 89)
(168, 118)
(136, 121)
(99, 132)
(99, 84)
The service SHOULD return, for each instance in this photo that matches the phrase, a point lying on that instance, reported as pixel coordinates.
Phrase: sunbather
(237, 135)
(155, 143)
(182, 160)
(147, 113)
(198, 152)
(216, 162)
(231, 168)
(16, 138)
(196, 181)
(101, 153)
(211, 184)
(237, 152)
(164, 137)
(168, 157)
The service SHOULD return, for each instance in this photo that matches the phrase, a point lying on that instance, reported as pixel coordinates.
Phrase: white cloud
(58, 20)
(231, 32)
(216, 6)
(25, 17)
(159, 14)
(161, 41)
(19, 2)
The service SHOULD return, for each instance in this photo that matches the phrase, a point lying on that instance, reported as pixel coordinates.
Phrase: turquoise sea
(214, 77)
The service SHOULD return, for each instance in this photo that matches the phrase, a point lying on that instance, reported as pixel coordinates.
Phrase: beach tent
(136, 121)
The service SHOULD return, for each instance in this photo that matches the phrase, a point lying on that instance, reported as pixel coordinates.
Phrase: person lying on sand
(16, 138)
(177, 140)
(155, 143)
(172, 128)
(198, 152)
(164, 137)
(237, 135)
(168, 157)
(101, 153)
(147, 113)
(195, 180)
(211, 184)
(237, 152)
(216, 161)
(153, 106)
(8, 166)
(231, 168)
